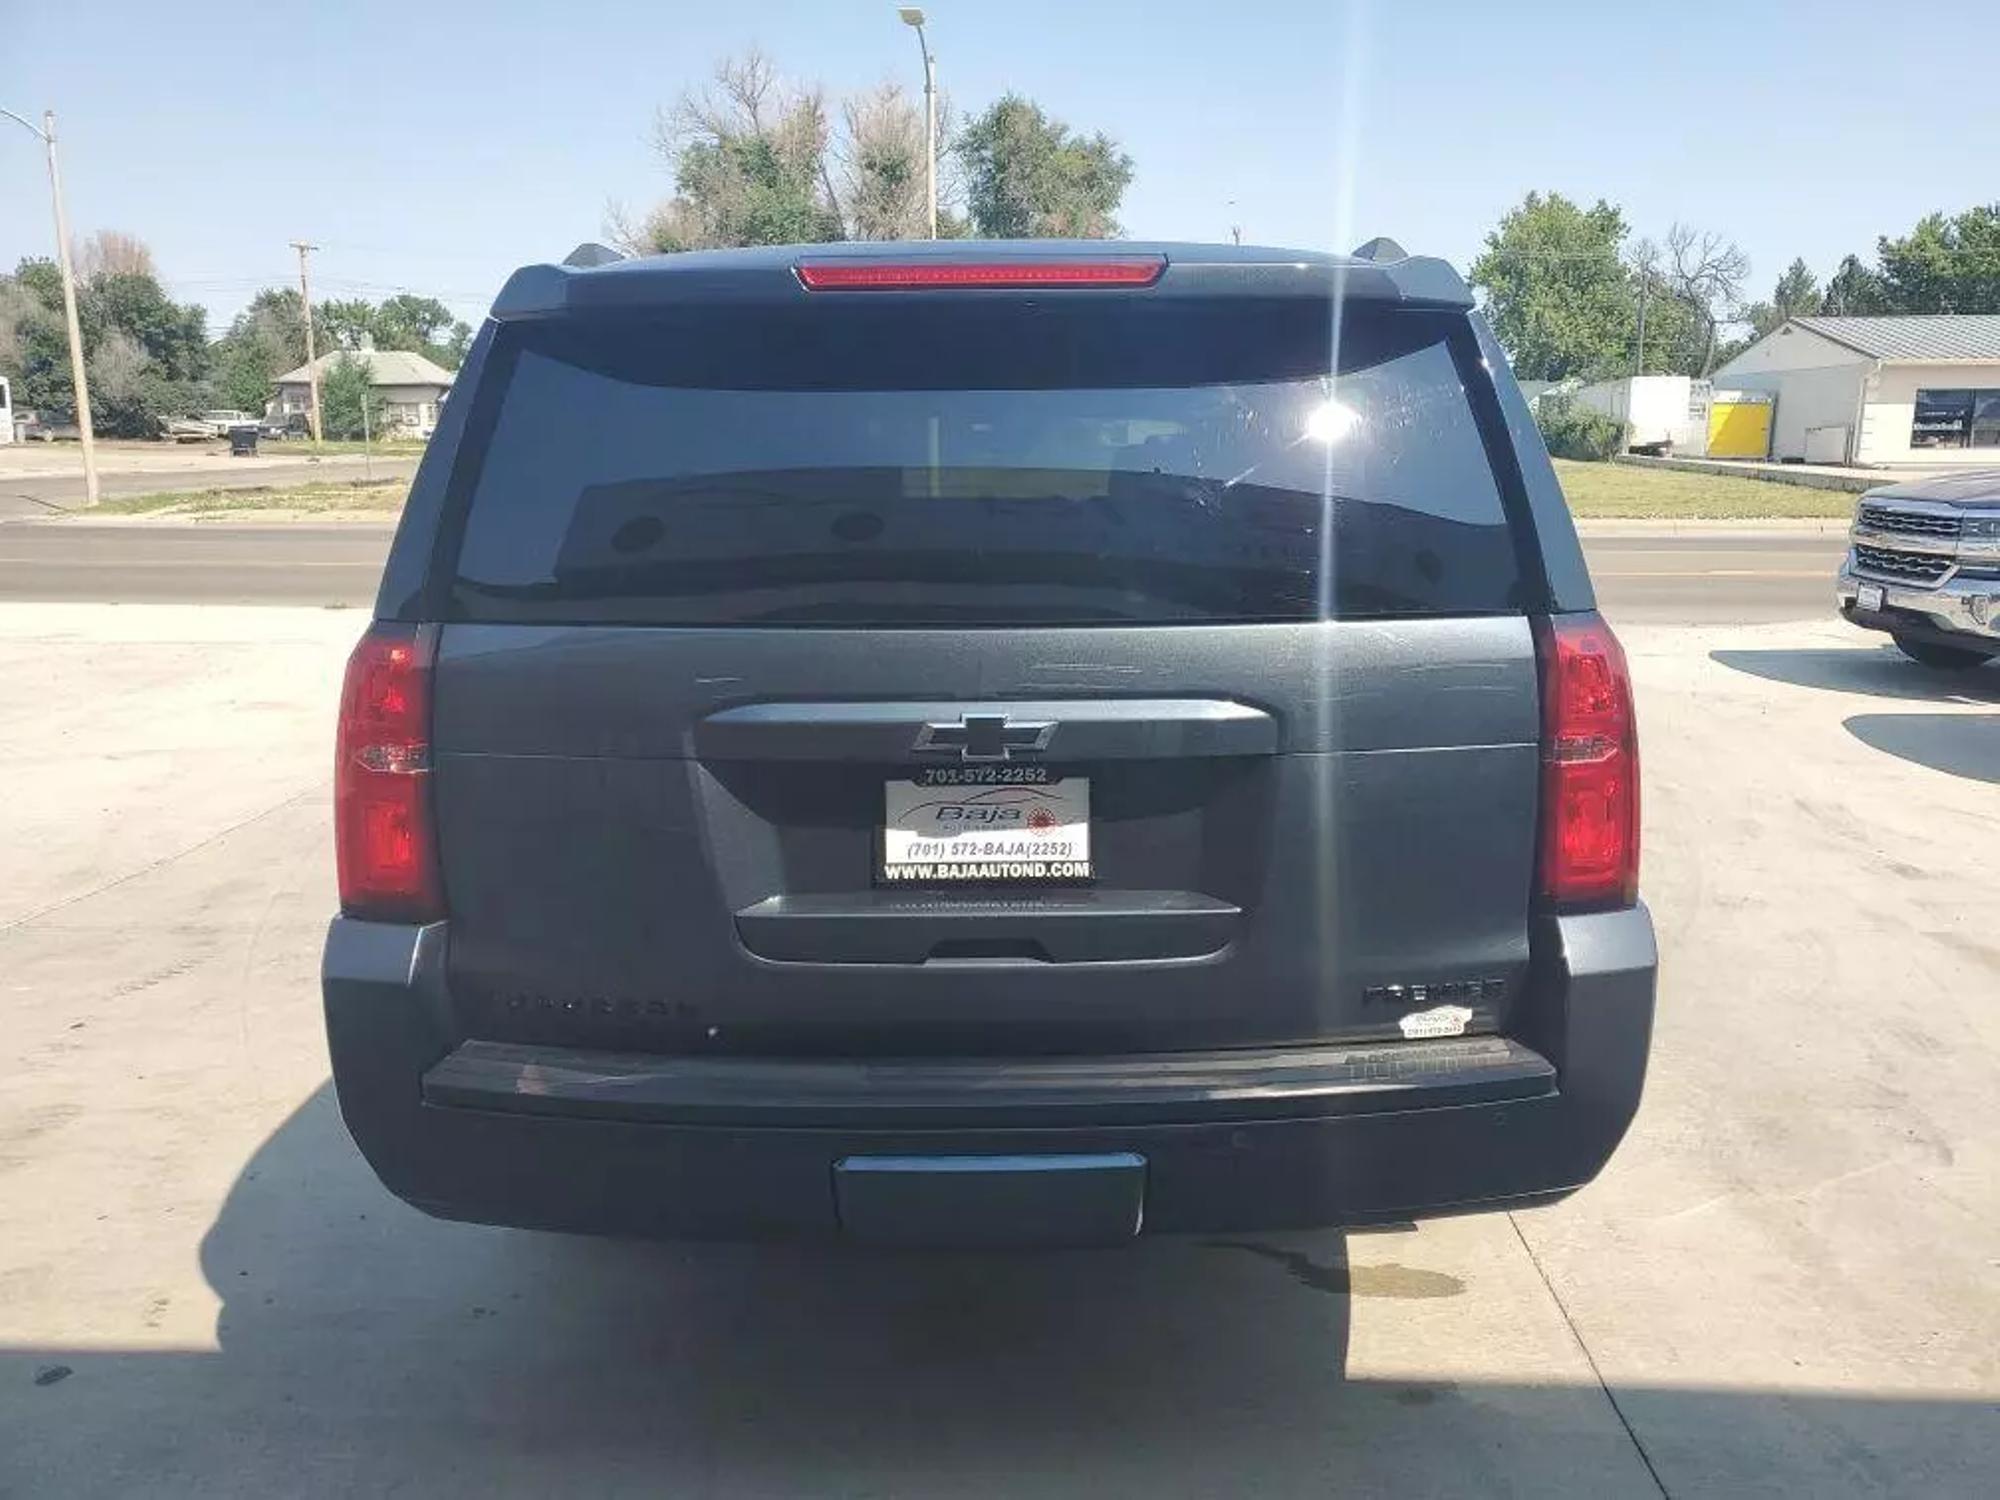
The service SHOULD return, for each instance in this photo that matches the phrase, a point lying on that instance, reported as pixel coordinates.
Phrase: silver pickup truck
(1924, 565)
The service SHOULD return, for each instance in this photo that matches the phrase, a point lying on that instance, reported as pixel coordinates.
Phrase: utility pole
(312, 367)
(1639, 354)
(367, 438)
(76, 371)
(914, 17)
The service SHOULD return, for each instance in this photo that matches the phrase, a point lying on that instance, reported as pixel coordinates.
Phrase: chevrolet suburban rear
(993, 743)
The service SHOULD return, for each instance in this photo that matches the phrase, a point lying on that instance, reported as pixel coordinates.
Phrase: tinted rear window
(996, 464)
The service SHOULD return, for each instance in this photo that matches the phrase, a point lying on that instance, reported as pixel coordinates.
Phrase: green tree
(423, 325)
(458, 339)
(345, 395)
(267, 339)
(149, 353)
(750, 165)
(883, 185)
(1854, 290)
(34, 346)
(1797, 295)
(1028, 175)
(344, 323)
(1667, 336)
(1560, 299)
(1945, 264)
(757, 160)
(174, 336)
(129, 394)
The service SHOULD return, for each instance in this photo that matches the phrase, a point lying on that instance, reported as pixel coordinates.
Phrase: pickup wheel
(1941, 658)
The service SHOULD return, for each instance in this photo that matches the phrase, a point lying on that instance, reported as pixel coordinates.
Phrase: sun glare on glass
(1329, 422)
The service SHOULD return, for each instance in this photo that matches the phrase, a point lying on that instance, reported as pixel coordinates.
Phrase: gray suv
(986, 743)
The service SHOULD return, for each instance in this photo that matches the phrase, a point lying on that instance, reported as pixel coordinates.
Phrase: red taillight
(921, 275)
(1590, 766)
(383, 837)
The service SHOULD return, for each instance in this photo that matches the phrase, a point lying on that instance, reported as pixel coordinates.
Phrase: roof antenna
(590, 253)
(1381, 248)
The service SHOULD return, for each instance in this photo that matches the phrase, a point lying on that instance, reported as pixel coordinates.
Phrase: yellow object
(1739, 429)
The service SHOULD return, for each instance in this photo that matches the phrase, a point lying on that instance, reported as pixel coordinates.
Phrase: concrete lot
(1788, 1282)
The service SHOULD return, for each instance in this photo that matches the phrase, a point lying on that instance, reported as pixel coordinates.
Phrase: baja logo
(983, 817)
(994, 807)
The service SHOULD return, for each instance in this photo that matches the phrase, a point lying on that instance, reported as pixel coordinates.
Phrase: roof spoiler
(1381, 248)
(769, 275)
(590, 253)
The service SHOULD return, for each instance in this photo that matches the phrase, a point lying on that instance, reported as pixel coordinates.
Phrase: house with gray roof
(408, 388)
(1894, 390)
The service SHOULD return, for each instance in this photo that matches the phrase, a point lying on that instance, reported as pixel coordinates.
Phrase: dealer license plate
(1003, 824)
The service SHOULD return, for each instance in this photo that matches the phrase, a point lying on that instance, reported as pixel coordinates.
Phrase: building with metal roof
(1892, 390)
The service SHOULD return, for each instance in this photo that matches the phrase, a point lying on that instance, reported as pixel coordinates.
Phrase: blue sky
(434, 144)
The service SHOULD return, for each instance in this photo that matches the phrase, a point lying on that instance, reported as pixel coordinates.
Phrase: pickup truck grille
(1914, 567)
(1909, 522)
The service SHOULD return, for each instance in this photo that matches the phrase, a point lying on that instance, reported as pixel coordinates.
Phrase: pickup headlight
(1981, 527)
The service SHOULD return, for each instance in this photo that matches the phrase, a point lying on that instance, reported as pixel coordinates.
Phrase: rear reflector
(1590, 766)
(384, 840)
(921, 275)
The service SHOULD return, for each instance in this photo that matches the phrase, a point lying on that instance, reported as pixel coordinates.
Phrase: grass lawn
(381, 447)
(1604, 491)
(385, 496)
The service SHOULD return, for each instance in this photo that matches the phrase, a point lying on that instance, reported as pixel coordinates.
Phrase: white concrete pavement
(1785, 1283)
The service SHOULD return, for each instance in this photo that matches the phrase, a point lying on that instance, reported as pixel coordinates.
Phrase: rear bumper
(1061, 1150)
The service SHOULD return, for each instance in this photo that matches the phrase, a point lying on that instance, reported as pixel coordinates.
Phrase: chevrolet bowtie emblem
(985, 737)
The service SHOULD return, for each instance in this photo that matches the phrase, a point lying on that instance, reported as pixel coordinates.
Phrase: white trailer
(1662, 412)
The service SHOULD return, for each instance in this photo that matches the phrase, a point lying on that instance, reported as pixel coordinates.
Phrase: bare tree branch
(621, 232)
(112, 252)
(1707, 272)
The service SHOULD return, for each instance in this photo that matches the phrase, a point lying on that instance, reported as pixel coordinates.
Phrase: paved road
(39, 494)
(1714, 579)
(1642, 579)
(150, 563)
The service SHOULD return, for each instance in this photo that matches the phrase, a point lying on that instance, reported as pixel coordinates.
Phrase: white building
(1919, 390)
(408, 386)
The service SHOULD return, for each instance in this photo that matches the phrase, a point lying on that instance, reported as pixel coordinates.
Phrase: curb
(1768, 473)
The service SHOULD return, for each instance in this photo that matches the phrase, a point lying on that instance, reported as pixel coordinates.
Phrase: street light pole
(914, 18)
(47, 132)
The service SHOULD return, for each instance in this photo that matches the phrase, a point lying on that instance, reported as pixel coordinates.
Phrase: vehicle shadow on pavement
(1880, 671)
(367, 1349)
(1958, 744)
